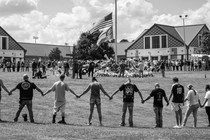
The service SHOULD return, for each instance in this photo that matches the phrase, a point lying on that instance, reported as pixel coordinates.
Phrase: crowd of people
(123, 68)
(128, 88)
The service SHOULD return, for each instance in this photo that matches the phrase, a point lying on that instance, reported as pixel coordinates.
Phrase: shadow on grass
(4, 121)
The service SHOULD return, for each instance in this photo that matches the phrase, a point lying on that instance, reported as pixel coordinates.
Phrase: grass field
(77, 111)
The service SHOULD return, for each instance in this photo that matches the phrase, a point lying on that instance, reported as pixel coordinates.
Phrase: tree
(124, 40)
(87, 49)
(206, 42)
(55, 54)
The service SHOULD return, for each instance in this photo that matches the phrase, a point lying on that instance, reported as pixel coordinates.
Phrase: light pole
(185, 46)
(35, 38)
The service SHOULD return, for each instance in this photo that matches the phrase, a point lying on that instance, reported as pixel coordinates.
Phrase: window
(155, 42)
(147, 42)
(3, 42)
(164, 43)
(199, 40)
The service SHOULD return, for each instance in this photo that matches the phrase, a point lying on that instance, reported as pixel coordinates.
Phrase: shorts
(176, 106)
(96, 101)
(59, 106)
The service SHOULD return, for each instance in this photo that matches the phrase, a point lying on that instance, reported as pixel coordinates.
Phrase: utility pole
(35, 38)
(74, 63)
(185, 46)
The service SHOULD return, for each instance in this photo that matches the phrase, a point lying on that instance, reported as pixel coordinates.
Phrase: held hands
(167, 104)
(142, 101)
(10, 93)
(111, 97)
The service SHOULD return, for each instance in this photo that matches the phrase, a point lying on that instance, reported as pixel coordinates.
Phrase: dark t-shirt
(26, 90)
(178, 93)
(128, 92)
(158, 95)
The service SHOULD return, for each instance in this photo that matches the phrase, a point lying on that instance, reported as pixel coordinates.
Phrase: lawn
(77, 111)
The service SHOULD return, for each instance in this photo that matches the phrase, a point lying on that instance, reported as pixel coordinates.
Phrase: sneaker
(62, 122)
(89, 124)
(122, 124)
(15, 120)
(130, 125)
(25, 117)
(101, 124)
(176, 127)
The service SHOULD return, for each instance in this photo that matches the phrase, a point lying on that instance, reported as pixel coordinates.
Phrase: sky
(62, 21)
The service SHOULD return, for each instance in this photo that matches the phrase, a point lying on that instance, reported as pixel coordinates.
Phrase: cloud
(23, 27)
(8, 7)
(66, 27)
(199, 16)
(134, 16)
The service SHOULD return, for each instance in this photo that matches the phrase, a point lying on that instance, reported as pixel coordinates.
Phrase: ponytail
(194, 91)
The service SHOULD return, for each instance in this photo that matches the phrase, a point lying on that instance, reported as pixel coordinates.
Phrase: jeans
(22, 103)
(191, 109)
(208, 112)
(130, 109)
(158, 116)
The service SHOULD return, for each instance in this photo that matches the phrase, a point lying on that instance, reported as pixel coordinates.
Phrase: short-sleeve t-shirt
(128, 92)
(207, 96)
(178, 93)
(59, 88)
(158, 95)
(192, 97)
(26, 90)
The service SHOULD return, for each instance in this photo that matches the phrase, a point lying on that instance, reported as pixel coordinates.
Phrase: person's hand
(142, 101)
(201, 106)
(111, 97)
(167, 104)
(10, 93)
(77, 96)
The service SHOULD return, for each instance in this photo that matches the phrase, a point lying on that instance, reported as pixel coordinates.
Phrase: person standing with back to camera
(193, 105)
(26, 95)
(177, 91)
(128, 89)
(207, 103)
(158, 94)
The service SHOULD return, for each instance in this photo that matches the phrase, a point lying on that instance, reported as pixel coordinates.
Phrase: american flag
(106, 34)
(103, 23)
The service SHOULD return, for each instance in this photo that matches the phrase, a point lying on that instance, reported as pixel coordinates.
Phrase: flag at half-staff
(104, 26)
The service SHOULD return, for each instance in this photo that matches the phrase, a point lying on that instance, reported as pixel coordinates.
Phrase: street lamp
(35, 38)
(187, 47)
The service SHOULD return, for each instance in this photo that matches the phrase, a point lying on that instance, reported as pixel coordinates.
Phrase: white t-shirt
(192, 98)
(207, 96)
(60, 87)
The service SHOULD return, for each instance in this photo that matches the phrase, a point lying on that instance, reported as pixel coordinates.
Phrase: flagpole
(115, 30)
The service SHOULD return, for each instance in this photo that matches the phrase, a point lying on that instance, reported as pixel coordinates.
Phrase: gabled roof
(42, 50)
(190, 32)
(14, 45)
(176, 32)
(171, 30)
(121, 47)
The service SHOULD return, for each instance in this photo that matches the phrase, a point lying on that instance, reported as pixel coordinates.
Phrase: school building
(163, 42)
